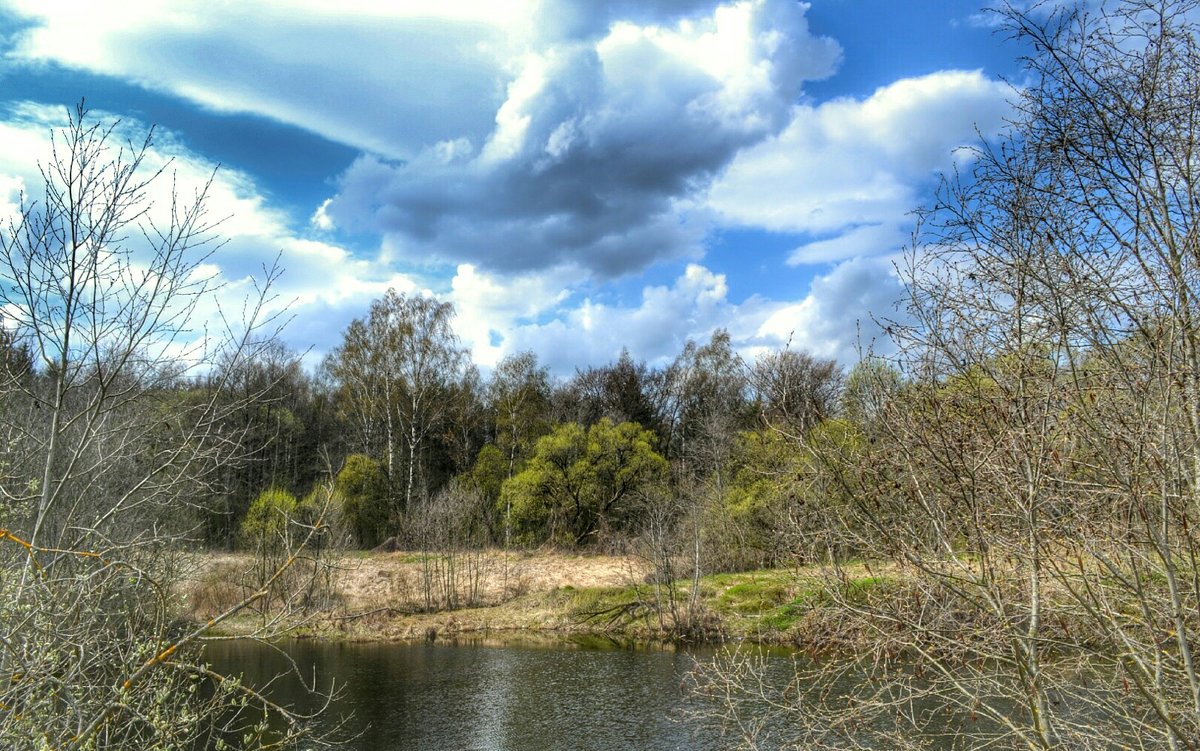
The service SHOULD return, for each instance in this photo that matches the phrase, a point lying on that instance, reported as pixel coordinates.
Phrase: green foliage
(361, 490)
(583, 483)
(268, 521)
(519, 396)
(490, 471)
(745, 529)
(317, 508)
(763, 466)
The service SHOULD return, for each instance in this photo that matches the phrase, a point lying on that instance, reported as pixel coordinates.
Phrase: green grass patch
(757, 602)
(785, 616)
(595, 599)
(753, 602)
(753, 597)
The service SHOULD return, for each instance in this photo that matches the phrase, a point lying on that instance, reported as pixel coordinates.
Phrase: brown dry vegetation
(851, 609)
(553, 594)
(381, 595)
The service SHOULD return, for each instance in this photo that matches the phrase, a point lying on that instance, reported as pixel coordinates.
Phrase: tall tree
(519, 395)
(394, 372)
(621, 391)
(795, 390)
(708, 403)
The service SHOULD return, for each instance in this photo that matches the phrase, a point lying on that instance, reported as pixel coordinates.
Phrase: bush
(361, 491)
(268, 522)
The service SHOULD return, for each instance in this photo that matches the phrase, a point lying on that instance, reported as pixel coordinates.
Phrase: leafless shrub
(1034, 479)
(104, 453)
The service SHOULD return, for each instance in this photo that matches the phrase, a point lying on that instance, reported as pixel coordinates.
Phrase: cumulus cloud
(843, 314)
(847, 172)
(510, 135)
(540, 147)
(598, 145)
(837, 314)
(323, 286)
(490, 306)
(588, 332)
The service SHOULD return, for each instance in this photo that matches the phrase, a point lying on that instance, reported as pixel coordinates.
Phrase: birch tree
(396, 371)
(104, 453)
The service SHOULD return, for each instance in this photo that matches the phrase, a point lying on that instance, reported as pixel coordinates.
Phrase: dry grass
(395, 579)
(381, 595)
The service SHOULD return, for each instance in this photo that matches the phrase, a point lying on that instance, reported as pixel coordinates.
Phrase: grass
(768, 603)
(757, 603)
(569, 596)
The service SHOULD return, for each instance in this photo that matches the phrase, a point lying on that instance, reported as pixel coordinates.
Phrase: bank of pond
(587, 694)
(768, 659)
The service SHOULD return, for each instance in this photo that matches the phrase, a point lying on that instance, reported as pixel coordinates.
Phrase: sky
(576, 177)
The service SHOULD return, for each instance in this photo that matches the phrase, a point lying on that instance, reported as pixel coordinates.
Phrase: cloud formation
(518, 155)
(323, 286)
(843, 315)
(598, 146)
(835, 318)
(511, 135)
(381, 76)
(848, 172)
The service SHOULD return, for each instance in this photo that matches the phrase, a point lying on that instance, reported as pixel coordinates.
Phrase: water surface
(489, 698)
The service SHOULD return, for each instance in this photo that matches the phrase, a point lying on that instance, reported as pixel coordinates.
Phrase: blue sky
(574, 176)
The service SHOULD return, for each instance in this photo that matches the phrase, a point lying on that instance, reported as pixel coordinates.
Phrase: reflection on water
(485, 698)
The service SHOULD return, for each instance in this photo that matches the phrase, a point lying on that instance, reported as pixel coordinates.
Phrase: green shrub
(268, 522)
(361, 492)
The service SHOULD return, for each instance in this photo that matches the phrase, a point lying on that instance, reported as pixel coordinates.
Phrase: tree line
(397, 418)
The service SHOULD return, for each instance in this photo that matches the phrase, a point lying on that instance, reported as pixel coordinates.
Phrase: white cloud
(324, 285)
(842, 313)
(592, 333)
(598, 146)
(12, 187)
(838, 311)
(488, 306)
(390, 77)
(851, 170)
(552, 312)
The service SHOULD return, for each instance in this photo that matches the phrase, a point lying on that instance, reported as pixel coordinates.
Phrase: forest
(399, 425)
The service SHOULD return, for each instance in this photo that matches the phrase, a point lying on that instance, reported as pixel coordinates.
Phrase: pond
(439, 697)
(598, 697)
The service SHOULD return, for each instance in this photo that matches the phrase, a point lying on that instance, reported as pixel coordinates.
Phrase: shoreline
(541, 596)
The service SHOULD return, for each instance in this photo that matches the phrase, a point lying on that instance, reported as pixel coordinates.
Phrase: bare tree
(1036, 482)
(795, 390)
(450, 531)
(104, 452)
